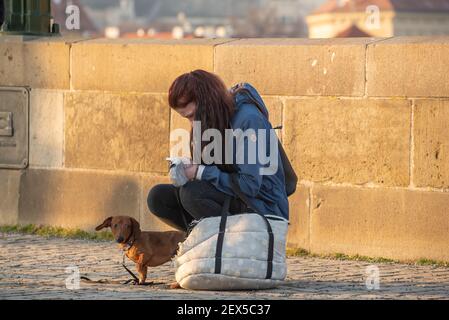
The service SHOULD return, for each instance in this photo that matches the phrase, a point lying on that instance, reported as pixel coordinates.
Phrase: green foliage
(298, 252)
(57, 232)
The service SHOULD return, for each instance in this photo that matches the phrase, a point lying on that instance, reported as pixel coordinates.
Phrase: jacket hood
(248, 94)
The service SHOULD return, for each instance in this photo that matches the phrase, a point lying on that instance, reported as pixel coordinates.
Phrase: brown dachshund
(145, 248)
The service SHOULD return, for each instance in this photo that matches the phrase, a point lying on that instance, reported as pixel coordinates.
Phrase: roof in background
(159, 35)
(351, 32)
(334, 6)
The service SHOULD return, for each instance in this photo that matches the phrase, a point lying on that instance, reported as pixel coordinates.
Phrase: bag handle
(222, 228)
(221, 232)
(244, 198)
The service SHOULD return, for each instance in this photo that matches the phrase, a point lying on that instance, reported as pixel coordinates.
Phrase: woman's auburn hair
(215, 104)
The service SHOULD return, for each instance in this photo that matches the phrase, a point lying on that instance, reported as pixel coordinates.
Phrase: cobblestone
(33, 267)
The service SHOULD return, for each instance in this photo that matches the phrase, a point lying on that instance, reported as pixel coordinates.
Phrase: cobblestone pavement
(33, 267)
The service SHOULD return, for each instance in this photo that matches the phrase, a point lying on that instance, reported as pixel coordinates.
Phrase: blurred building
(116, 17)
(352, 32)
(200, 18)
(379, 18)
(289, 11)
(61, 15)
(272, 18)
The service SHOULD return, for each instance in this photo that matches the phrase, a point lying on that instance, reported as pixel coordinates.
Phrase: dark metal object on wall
(2, 12)
(14, 127)
(28, 17)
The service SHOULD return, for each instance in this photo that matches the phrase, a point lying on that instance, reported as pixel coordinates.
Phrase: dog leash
(129, 271)
(105, 281)
(135, 279)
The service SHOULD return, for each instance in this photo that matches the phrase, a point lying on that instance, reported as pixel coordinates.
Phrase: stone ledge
(397, 66)
(35, 62)
(138, 65)
(295, 67)
(409, 66)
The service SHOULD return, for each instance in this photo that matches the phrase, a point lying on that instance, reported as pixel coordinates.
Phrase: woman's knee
(199, 199)
(190, 192)
(155, 199)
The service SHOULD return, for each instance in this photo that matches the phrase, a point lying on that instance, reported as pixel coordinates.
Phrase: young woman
(202, 96)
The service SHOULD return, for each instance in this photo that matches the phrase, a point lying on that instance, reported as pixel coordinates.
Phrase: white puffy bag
(233, 252)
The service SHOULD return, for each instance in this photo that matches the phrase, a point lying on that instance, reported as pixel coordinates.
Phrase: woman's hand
(190, 171)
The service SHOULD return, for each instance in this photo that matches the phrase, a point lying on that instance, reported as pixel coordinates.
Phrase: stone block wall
(365, 123)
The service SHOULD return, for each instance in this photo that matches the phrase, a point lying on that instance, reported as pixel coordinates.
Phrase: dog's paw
(134, 282)
(174, 285)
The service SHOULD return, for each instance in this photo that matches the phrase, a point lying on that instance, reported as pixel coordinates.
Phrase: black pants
(195, 200)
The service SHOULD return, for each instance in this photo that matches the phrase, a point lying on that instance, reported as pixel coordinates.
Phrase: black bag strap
(221, 233)
(244, 198)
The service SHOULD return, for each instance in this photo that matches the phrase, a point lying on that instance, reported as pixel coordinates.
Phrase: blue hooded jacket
(266, 192)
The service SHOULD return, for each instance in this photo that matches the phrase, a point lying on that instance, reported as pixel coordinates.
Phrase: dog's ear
(135, 228)
(106, 224)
